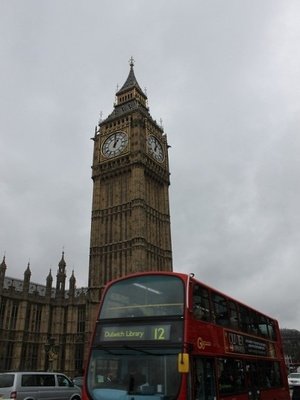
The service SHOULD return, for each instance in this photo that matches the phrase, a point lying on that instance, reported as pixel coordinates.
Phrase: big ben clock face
(114, 144)
(155, 148)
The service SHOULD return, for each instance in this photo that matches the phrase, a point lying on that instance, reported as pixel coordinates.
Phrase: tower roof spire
(62, 262)
(3, 264)
(129, 98)
(131, 81)
(2, 271)
(49, 277)
(131, 62)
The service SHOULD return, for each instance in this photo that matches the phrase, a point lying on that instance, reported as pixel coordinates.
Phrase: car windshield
(117, 373)
(294, 375)
(78, 381)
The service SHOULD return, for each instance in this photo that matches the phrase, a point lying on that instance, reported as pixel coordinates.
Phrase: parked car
(294, 379)
(37, 385)
(78, 381)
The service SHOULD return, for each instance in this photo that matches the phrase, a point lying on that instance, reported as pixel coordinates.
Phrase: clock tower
(130, 228)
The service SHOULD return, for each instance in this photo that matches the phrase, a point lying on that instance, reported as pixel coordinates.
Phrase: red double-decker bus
(167, 336)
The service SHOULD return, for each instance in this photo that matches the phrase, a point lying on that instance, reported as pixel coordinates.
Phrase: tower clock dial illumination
(114, 144)
(155, 148)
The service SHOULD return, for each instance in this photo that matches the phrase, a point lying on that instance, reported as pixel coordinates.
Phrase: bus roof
(185, 277)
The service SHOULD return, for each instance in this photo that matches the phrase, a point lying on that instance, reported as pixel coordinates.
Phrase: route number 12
(159, 333)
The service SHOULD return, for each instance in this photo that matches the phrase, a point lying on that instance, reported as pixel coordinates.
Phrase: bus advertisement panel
(167, 336)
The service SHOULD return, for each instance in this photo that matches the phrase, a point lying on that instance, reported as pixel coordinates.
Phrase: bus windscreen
(144, 296)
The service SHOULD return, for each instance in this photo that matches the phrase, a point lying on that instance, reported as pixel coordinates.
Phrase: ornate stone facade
(42, 328)
(46, 328)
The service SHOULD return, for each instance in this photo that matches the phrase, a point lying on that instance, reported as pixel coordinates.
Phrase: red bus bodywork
(213, 344)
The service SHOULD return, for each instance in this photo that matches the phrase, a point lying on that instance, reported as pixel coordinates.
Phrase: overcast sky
(224, 78)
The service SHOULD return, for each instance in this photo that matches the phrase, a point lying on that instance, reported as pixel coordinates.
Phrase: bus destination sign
(159, 332)
(243, 344)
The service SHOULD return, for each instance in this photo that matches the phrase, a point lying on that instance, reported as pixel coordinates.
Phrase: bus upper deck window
(201, 304)
(220, 309)
(144, 296)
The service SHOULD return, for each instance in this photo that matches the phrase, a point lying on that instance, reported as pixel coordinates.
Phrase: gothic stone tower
(130, 228)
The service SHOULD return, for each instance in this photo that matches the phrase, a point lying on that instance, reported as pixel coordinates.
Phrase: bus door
(204, 382)
(252, 378)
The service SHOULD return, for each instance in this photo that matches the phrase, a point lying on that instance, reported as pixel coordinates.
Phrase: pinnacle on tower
(131, 81)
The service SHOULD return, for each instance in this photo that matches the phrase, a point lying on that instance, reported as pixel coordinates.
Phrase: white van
(37, 386)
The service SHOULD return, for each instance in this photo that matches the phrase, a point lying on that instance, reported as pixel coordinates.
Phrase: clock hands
(116, 141)
(114, 144)
(155, 148)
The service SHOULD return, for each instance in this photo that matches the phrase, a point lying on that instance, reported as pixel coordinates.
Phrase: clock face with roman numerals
(155, 148)
(114, 144)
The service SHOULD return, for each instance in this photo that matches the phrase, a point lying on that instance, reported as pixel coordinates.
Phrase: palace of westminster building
(48, 327)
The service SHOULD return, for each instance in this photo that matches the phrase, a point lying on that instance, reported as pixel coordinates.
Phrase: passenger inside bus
(134, 378)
